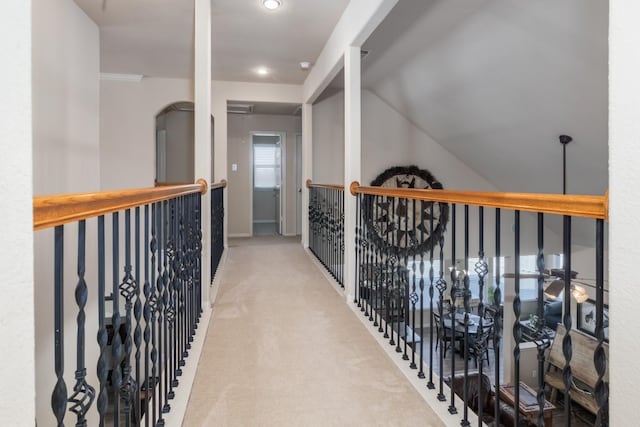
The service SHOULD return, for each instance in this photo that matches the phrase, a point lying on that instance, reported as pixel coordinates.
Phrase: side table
(528, 404)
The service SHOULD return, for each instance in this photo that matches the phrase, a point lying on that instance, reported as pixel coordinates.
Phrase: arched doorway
(175, 144)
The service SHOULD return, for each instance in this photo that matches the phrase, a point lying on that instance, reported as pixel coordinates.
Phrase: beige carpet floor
(283, 349)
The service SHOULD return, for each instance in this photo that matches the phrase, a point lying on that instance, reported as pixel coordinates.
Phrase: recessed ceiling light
(305, 65)
(271, 4)
(262, 71)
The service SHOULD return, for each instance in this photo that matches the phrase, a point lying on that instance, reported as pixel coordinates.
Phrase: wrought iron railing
(217, 225)
(326, 227)
(433, 283)
(146, 274)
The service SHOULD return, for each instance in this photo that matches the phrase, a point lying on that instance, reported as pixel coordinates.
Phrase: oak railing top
(558, 204)
(221, 184)
(310, 184)
(59, 209)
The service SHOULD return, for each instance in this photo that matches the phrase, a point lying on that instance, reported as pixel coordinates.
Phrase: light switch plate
(234, 167)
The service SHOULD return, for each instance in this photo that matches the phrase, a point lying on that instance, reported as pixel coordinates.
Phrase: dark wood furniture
(528, 403)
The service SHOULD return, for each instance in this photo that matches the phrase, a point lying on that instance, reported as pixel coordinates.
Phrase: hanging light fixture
(556, 288)
(272, 4)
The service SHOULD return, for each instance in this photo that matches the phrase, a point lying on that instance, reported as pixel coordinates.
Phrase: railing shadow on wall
(326, 227)
(147, 279)
(424, 287)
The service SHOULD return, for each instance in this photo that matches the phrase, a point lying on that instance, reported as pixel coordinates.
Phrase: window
(266, 165)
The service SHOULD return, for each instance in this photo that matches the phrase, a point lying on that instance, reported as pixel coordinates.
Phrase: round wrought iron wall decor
(403, 226)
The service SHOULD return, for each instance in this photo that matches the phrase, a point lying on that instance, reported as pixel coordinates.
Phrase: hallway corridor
(283, 349)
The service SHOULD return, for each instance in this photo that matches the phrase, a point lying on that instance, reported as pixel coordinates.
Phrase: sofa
(507, 412)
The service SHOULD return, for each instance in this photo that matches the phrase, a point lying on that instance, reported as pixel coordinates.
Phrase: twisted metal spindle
(83, 393)
(102, 337)
(59, 394)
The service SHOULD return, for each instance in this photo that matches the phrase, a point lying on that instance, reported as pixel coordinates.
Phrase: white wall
(624, 175)
(328, 140)
(66, 158)
(127, 128)
(239, 182)
(17, 406)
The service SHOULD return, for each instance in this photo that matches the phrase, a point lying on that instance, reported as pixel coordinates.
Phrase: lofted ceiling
(155, 37)
(496, 82)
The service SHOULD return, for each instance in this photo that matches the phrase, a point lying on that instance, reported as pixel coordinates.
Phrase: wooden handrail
(558, 204)
(221, 184)
(310, 184)
(54, 210)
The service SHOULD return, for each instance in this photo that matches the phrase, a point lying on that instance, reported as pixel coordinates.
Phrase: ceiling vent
(239, 108)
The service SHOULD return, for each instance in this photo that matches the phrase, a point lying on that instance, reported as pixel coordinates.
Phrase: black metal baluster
(117, 351)
(430, 384)
(467, 309)
(127, 290)
(147, 320)
(59, 395)
(184, 279)
(414, 296)
(137, 313)
(497, 322)
(599, 356)
(171, 311)
(164, 284)
(396, 280)
(542, 339)
(377, 272)
(366, 305)
(441, 285)
(153, 303)
(452, 406)
(481, 268)
(567, 349)
(404, 279)
(83, 393)
(359, 238)
(102, 369)
(517, 331)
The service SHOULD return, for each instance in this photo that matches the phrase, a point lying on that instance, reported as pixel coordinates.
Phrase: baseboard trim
(231, 236)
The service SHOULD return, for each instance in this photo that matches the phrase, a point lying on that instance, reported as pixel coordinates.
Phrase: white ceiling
(497, 81)
(155, 37)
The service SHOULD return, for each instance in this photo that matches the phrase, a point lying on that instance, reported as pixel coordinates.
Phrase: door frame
(283, 194)
(298, 166)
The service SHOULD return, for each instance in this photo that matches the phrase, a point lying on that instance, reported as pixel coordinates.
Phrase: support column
(624, 202)
(17, 397)
(352, 148)
(307, 168)
(202, 131)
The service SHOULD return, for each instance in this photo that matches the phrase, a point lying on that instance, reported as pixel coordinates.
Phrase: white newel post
(307, 168)
(352, 166)
(202, 152)
(17, 370)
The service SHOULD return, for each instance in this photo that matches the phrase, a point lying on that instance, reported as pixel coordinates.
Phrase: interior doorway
(175, 144)
(267, 197)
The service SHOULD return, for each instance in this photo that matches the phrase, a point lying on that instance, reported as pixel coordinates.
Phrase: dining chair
(448, 337)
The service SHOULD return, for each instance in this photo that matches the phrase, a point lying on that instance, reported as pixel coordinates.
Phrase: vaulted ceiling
(497, 81)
